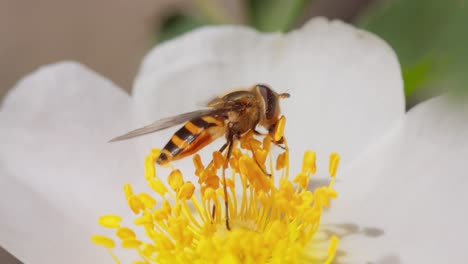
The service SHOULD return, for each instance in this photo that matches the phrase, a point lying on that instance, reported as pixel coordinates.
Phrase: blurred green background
(430, 37)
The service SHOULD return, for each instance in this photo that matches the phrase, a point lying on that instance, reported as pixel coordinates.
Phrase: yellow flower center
(272, 219)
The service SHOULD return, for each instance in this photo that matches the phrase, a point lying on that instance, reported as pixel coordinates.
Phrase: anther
(333, 165)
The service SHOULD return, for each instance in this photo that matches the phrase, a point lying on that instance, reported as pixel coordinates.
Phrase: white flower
(403, 184)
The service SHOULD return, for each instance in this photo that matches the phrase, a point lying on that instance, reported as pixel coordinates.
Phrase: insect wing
(163, 124)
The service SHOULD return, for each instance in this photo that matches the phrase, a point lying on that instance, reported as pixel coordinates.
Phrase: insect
(232, 115)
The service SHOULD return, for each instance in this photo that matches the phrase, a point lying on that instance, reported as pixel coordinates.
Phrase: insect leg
(279, 144)
(223, 147)
(258, 163)
(228, 156)
(214, 207)
(213, 213)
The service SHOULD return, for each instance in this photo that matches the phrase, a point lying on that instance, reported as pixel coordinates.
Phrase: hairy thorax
(243, 121)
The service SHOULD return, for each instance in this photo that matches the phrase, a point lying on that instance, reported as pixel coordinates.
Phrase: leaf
(275, 15)
(430, 38)
(178, 24)
(417, 75)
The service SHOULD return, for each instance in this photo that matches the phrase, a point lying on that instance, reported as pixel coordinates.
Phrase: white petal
(58, 171)
(413, 187)
(345, 83)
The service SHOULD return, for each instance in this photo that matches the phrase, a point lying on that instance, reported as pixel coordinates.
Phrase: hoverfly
(232, 115)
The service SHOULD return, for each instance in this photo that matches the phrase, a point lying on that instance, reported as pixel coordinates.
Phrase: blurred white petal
(413, 188)
(345, 84)
(58, 173)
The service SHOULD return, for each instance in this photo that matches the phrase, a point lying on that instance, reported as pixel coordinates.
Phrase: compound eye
(270, 99)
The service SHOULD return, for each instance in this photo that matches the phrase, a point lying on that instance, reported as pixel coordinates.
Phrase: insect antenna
(286, 94)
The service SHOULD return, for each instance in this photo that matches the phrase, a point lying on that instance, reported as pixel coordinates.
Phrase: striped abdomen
(193, 136)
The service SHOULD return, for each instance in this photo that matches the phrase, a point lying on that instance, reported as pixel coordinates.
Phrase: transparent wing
(165, 123)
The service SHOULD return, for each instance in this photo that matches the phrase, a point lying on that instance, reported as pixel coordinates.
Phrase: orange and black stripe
(190, 138)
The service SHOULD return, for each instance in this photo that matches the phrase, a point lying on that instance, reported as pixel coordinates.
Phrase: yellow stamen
(135, 204)
(308, 166)
(218, 159)
(110, 221)
(150, 170)
(131, 243)
(125, 233)
(175, 180)
(103, 241)
(128, 190)
(332, 249)
(186, 191)
(334, 162)
(157, 186)
(272, 219)
(147, 201)
(199, 168)
(281, 161)
(279, 129)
